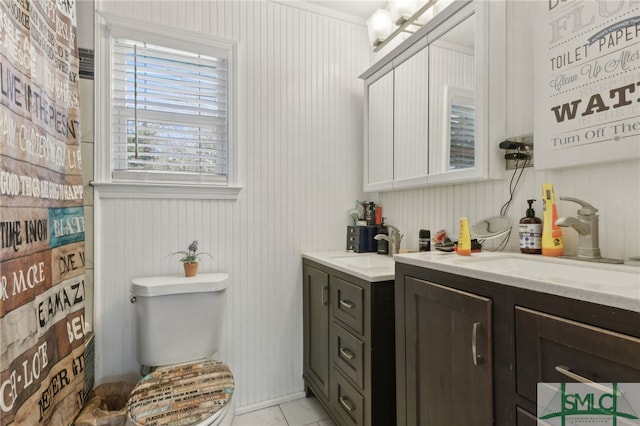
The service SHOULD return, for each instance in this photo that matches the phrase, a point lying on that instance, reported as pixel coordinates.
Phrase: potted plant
(190, 259)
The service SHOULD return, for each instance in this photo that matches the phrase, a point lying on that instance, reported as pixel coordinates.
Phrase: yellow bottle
(552, 240)
(464, 238)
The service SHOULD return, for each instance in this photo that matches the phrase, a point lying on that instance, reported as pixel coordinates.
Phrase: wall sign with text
(587, 82)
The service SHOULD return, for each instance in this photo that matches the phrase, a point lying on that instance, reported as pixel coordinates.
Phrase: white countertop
(371, 267)
(605, 284)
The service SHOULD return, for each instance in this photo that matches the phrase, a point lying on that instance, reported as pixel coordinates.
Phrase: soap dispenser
(530, 232)
(383, 245)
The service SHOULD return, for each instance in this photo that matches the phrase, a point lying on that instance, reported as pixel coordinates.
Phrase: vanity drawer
(347, 401)
(348, 302)
(552, 349)
(348, 354)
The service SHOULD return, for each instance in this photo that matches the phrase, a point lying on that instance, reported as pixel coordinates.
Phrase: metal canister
(424, 240)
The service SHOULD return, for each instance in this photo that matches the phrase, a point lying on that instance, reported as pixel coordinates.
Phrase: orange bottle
(552, 239)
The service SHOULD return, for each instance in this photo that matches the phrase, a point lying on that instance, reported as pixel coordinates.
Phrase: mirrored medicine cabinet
(434, 103)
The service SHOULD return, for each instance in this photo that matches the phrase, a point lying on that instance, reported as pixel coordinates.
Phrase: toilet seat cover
(181, 395)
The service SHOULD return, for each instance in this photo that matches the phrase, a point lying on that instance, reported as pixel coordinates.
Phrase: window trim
(108, 25)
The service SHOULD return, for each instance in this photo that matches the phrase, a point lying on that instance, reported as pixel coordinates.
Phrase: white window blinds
(169, 114)
(461, 132)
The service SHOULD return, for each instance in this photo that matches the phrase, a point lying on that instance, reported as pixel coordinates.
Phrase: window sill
(165, 191)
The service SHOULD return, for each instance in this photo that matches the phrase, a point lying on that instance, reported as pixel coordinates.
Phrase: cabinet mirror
(452, 87)
(442, 116)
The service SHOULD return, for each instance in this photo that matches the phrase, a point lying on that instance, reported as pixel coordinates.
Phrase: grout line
(288, 422)
(284, 416)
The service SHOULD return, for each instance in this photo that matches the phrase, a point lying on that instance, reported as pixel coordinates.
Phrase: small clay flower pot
(190, 269)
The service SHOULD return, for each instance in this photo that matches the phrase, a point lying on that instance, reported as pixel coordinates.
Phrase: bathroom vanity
(474, 338)
(349, 351)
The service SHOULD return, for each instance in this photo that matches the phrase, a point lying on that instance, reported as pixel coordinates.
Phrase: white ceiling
(358, 8)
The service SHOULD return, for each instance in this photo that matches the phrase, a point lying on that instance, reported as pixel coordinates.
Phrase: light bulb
(379, 25)
(402, 9)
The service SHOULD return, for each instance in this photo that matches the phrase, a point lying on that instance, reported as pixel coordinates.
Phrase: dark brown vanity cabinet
(448, 323)
(349, 346)
(447, 356)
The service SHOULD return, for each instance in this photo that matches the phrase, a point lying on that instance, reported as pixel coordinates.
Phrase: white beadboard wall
(300, 162)
(300, 158)
(612, 188)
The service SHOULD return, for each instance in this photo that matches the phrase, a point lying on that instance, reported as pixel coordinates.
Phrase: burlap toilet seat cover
(181, 395)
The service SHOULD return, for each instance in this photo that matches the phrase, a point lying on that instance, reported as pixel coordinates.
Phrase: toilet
(179, 326)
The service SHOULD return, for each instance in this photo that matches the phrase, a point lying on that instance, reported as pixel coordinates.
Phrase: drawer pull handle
(474, 344)
(566, 371)
(347, 353)
(323, 292)
(346, 403)
(347, 304)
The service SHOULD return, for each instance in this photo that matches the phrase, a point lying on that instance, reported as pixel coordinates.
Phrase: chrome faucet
(394, 239)
(586, 224)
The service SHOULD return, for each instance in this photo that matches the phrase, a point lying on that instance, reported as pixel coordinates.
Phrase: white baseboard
(270, 403)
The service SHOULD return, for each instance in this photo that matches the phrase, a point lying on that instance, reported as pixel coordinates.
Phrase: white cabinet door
(378, 168)
(455, 151)
(411, 121)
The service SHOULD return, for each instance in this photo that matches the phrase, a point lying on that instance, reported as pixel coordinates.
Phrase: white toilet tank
(178, 319)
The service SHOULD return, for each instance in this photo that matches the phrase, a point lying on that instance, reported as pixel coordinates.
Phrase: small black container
(424, 240)
(383, 245)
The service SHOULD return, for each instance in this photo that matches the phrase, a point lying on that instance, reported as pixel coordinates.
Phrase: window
(170, 119)
(169, 111)
(461, 107)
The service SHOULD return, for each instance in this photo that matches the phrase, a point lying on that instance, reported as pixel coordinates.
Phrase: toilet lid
(181, 395)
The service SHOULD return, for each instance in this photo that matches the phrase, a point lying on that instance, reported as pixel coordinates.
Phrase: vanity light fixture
(403, 14)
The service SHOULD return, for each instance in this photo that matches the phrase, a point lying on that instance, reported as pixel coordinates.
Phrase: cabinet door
(316, 328)
(411, 122)
(452, 124)
(449, 377)
(379, 147)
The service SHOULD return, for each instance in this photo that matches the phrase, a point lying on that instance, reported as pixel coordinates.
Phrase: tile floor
(299, 412)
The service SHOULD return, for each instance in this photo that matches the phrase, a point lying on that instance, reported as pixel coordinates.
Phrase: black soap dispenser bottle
(383, 245)
(530, 232)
